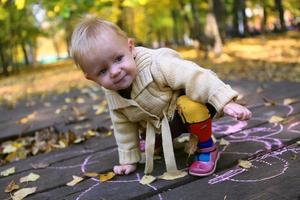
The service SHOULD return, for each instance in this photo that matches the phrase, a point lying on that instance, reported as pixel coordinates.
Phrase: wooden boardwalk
(271, 148)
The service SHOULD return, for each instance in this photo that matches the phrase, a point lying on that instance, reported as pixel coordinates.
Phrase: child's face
(112, 65)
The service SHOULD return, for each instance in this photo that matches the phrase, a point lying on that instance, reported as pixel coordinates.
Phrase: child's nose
(115, 71)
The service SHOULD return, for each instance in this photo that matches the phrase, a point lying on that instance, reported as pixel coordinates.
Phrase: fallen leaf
(259, 90)
(9, 149)
(294, 157)
(147, 179)
(298, 142)
(57, 111)
(76, 179)
(173, 175)
(245, 164)
(223, 142)
(79, 140)
(275, 119)
(106, 177)
(11, 157)
(22, 193)
(289, 101)
(29, 117)
(99, 109)
(68, 100)
(30, 177)
(91, 174)
(80, 100)
(269, 102)
(191, 146)
(8, 171)
(183, 138)
(39, 165)
(11, 186)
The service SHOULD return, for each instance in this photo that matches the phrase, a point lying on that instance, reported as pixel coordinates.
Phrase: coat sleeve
(126, 134)
(199, 84)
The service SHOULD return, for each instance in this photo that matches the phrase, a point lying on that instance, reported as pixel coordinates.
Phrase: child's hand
(237, 111)
(124, 169)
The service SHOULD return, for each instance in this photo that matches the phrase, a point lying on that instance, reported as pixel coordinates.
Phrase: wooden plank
(47, 116)
(108, 191)
(254, 92)
(273, 176)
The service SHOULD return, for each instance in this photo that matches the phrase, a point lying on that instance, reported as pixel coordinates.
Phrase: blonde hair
(87, 35)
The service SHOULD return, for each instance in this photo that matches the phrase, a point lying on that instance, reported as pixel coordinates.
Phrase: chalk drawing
(235, 132)
(264, 135)
(98, 183)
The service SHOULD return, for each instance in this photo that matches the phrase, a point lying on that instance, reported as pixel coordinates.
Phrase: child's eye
(102, 71)
(119, 58)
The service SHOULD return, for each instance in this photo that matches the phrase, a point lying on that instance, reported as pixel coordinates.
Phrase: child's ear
(131, 45)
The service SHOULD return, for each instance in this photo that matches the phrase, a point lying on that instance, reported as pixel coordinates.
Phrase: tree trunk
(240, 27)
(220, 15)
(265, 17)
(279, 7)
(212, 34)
(175, 14)
(186, 18)
(25, 54)
(4, 61)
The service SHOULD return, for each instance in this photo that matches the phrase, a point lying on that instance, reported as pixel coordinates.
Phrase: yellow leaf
(289, 101)
(30, 177)
(245, 164)
(8, 171)
(21, 194)
(80, 100)
(99, 109)
(106, 177)
(9, 149)
(224, 142)
(147, 179)
(298, 142)
(79, 140)
(57, 111)
(39, 165)
(173, 175)
(26, 119)
(259, 90)
(76, 179)
(20, 4)
(275, 119)
(183, 138)
(11, 186)
(91, 174)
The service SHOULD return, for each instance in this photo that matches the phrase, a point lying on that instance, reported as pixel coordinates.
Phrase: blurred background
(238, 39)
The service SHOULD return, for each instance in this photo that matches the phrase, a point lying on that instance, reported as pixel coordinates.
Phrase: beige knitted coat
(161, 75)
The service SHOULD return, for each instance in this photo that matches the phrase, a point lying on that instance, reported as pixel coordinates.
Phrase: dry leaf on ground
(76, 179)
(173, 175)
(8, 171)
(91, 174)
(39, 165)
(298, 142)
(223, 142)
(275, 119)
(22, 193)
(25, 120)
(147, 179)
(9, 149)
(11, 186)
(289, 101)
(245, 164)
(106, 177)
(30, 177)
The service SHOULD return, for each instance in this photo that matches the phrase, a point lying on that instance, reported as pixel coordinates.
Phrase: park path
(270, 146)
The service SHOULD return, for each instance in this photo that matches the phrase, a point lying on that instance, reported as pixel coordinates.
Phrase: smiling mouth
(120, 80)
